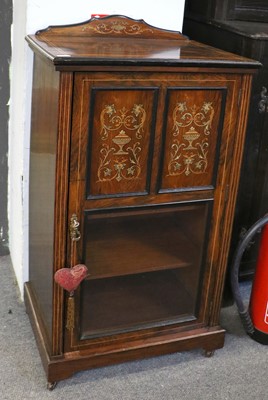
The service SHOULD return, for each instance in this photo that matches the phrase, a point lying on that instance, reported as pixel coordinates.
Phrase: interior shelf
(134, 302)
(159, 240)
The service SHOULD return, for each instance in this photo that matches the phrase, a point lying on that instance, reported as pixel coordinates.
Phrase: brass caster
(51, 385)
(209, 353)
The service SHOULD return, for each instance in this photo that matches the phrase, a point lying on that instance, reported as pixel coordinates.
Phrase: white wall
(28, 17)
(17, 146)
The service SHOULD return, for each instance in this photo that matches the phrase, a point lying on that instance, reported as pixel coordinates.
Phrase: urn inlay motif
(124, 129)
(190, 143)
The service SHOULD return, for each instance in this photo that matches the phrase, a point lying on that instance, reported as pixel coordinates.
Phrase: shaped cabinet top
(119, 40)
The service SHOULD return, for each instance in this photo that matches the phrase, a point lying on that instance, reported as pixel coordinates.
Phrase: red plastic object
(259, 293)
(99, 15)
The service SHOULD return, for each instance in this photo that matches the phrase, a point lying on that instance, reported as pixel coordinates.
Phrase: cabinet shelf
(126, 303)
(124, 256)
(159, 240)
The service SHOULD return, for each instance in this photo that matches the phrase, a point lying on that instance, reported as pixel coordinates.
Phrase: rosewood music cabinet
(136, 145)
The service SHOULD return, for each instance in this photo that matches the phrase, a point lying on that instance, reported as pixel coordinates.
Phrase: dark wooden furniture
(137, 135)
(240, 26)
(236, 10)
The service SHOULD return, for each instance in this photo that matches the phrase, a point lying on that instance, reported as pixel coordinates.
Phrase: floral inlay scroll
(190, 144)
(118, 27)
(122, 134)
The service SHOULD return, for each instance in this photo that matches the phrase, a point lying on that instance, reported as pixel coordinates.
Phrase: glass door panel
(144, 267)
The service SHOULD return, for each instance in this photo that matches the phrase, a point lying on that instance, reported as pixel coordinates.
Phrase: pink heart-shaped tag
(70, 278)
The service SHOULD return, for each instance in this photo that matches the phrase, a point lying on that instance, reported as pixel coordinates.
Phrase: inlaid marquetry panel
(192, 127)
(120, 140)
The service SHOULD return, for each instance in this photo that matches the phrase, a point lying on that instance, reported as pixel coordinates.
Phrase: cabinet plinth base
(63, 366)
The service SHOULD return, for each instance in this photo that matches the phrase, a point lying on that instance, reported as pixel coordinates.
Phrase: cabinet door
(149, 166)
(144, 267)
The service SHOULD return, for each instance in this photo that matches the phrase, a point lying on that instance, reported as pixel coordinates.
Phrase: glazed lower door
(145, 268)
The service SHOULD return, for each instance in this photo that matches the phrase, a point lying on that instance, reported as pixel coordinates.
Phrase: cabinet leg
(51, 385)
